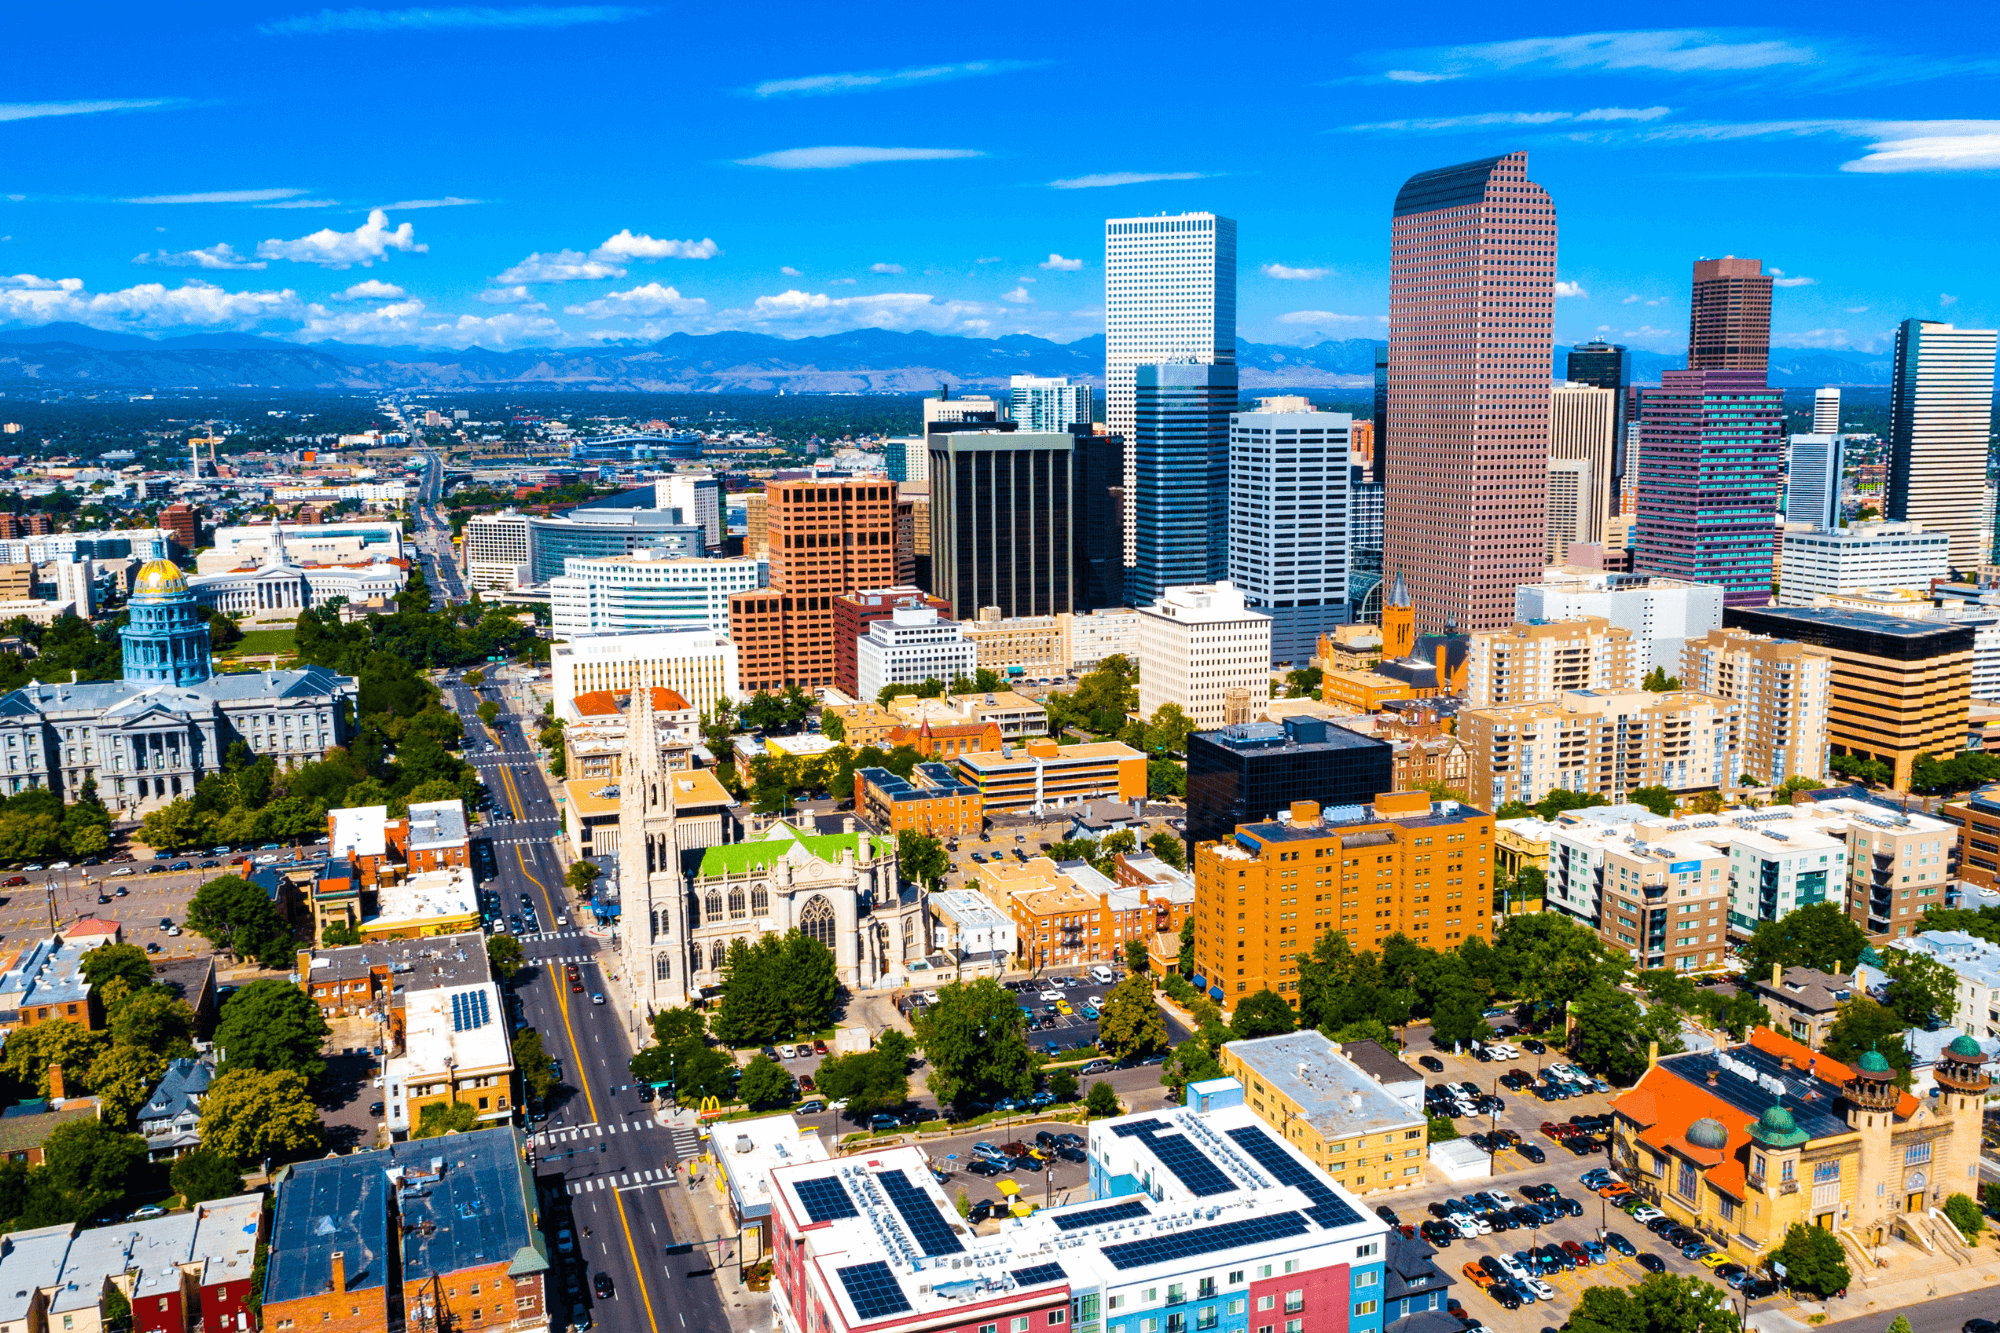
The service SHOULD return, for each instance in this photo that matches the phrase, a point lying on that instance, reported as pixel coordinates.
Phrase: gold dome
(159, 578)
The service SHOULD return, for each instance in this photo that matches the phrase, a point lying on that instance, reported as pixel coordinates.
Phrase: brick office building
(854, 612)
(826, 538)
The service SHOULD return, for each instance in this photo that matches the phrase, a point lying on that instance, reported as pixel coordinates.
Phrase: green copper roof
(1874, 1062)
(742, 858)
(1965, 1047)
(1777, 1129)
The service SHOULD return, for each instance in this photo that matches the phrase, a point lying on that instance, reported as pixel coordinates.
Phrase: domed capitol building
(150, 737)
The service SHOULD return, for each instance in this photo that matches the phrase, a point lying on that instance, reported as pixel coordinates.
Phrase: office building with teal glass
(147, 739)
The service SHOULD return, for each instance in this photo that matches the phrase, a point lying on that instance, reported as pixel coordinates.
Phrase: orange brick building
(827, 538)
(1406, 865)
(947, 740)
(933, 801)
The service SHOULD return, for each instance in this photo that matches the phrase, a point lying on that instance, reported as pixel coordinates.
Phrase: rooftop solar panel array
(470, 1011)
(1205, 1240)
(920, 1214)
(1328, 1209)
(1122, 1211)
(1040, 1273)
(825, 1199)
(872, 1288)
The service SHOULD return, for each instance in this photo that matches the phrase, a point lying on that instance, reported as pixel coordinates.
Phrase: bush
(1442, 1130)
(1964, 1215)
(1102, 1101)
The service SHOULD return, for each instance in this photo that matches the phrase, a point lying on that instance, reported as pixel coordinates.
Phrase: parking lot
(1050, 1030)
(1062, 1178)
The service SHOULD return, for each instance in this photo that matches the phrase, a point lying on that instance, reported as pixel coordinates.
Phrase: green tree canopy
(922, 858)
(1921, 989)
(1813, 1260)
(272, 1026)
(1862, 1026)
(1130, 1023)
(877, 1079)
(505, 955)
(250, 1114)
(1102, 1101)
(1264, 1013)
(440, 1118)
(777, 986)
(127, 962)
(203, 1174)
(232, 913)
(972, 1034)
(537, 1069)
(765, 1085)
(1660, 800)
(1820, 935)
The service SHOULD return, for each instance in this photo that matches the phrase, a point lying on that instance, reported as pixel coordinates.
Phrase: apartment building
(1976, 964)
(1899, 863)
(826, 539)
(1330, 1109)
(1901, 687)
(1197, 644)
(1659, 612)
(1977, 817)
(173, 1274)
(1657, 895)
(1607, 742)
(1028, 646)
(1403, 864)
(1538, 663)
(496, 551)
(1782, 689)
(932, 801)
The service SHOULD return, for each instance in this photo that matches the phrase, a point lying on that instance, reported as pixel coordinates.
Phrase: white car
(121, 870)
(1989, 893)
(60, 865)
(268, 859)
(1513, 1267)
(1645, 1215)
(1467, 1225)
(1051, 995)
(1505, 1199)
(1543, 1291)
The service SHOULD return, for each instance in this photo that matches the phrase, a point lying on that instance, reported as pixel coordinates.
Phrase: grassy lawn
(264, 641)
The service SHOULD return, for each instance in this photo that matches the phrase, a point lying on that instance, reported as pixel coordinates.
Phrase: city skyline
(391, 176)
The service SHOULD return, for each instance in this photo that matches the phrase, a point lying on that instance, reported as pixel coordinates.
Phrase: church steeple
(652, 896)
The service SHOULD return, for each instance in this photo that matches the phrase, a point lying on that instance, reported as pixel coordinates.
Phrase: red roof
(92, 925)
(605, 703)
(1819, 1066)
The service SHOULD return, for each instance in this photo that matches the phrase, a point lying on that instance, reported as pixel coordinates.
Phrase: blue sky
(569, 174)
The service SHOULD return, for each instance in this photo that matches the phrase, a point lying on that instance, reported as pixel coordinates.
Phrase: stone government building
(150, 737)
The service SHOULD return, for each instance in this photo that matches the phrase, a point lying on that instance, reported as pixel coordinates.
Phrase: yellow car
(1716, 1260)
(1062, 1007)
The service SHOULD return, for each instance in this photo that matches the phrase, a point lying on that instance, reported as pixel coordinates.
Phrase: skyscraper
(1169, 295)
(1098, 519)
(1582, 419)
(1940, 416)
(1471, 302)
(1607, 366)
(1812, 480)
(1729, 316)
(1711, 460)
(1288, 517)
(1826, 412)
(1049, 402)
(1180, 472)
(1000, 521)
(1380, 467)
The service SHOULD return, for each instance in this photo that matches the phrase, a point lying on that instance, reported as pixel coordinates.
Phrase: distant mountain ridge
(857, 361)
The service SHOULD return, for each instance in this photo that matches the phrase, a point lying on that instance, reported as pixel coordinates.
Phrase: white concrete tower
(652, 896)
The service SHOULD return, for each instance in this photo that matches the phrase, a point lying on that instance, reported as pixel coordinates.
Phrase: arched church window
(760, 901)
(736, 912)
(714, 906)
(663, 967)
(717, 954)
(817, 920)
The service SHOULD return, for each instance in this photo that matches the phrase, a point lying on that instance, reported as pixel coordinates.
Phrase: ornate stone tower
(166, 640)
(652, 896)
(1869, 1101)
(1962, 1083)
(1399, 622)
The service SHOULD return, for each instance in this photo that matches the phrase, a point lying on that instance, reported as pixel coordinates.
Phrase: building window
(1916, 1154)
(1364, 1308)
(817, 920)
(1685, 1182)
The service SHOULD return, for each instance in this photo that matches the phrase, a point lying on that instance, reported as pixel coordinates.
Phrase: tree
(1193, 1061)
(922, 858)
(869, 1081)
(1798, 782)
(342, 934)
(1965, 1215)
(1304, 682)
(30, 1051)
(1062, 1084)
(271, 1026)
(1168, 848)
(505, 955)
(1921, 989)
(203, 1174)
(1263, 1014)
(91, 1166)
(832, 726)
(537, 1069)
(1656, 798)
(438, 1119)
(1820, 936)
(1863, 1026)
(765, 1085)
(475, 678)
(778, 986)
(1607, 1036)
(250, 1114)
(125, 961)
(676, 1025)
(1168, 730)
(1743, 1013)
(1442, 1129)
(1136, 959)
(972, 1033)
(232, 913)
(1550, 957)
(1562, 799)
(488, 711)
(1102, 1101)
(1659, 682)
(580, 876)
(123, 1078)
(1165, 778)
(1130, 1024)
(1460, 1016)
(1813, 1260)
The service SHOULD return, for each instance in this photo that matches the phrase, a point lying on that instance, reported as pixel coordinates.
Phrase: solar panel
(920, 1214)
(1205, 1240)
(872, 1288)
(1201, 1176)
(1138, 1127)
(1123, 1211)
(485, 1010)
(1040, 1273)
(825, 1199)
(1328, 1209)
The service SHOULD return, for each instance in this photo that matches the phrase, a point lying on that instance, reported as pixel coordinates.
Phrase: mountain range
(858, 361)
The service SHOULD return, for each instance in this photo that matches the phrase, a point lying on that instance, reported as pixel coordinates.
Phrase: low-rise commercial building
(1817, 562)
(977, 937)
(44, 980)
(914, 645)
(1609, 744)
(703, 813)
(1041, 775)
(699, 665)
(594, 732)
(1301, 1085)
(456, 1050)
(862, 724)
(377, 977)
(1030, 647)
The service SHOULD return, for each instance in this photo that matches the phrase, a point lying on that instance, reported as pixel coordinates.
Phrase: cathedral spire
(642, 736)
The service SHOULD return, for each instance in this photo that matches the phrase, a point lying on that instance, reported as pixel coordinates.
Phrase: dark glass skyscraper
(1098, 508)
(1606, 366)
(1381, 414)
(1180, 417)
(1000, 521)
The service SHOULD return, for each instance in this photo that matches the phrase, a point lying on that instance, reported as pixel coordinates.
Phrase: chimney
(56, 1092)
(1652, 1054)
(305, 965)
(339, 1270)
(1777, 974)
(847, 823)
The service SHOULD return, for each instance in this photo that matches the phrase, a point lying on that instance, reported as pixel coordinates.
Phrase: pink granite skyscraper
(1472, 265)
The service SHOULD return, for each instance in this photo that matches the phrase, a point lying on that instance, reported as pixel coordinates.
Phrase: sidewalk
(699, 1213)
(1984, 1272)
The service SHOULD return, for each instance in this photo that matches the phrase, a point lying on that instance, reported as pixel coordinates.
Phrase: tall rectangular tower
(1379, 468)
(1607, 366)
(1044, 403)
(1940, 418)
(1729, 315)
(1583, 428)
(1001, 530)
(1813, 464)
(1711, 459)
(1169, 295)
(1288, 522)
(1826, 412)
(1180, 472)
(1471, 307)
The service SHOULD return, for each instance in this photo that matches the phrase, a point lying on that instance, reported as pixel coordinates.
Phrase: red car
(819, 1048)
(1577, 1252)
(13, 881)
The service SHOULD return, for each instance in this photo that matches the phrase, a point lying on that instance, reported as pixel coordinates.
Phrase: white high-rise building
(698, 495)
(1662, 613)
(1940, 418)
(1049, 403)
(646, 592)
(965, 407)
(1169, 295)
(1288, 475)
(496, 551)
(699, 665)
(1813, 464)
(1196, 645)
(1826, 412)
(1824, 562)
(914, 645)
(1582, 420)
(1572, 512)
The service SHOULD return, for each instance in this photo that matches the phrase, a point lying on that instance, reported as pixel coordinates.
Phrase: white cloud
(216, 197)
(1954, 146)
(449, 201)
(1856, 310)
(370, 241)
(1019, 296)
(1320, 317)
(396, 322)
(820, 85)
(845, 282)
(1290, 274)
(446, 18)
(1414, 76)
(994, 259)
(1058, 263)
(827, 159)
(149, 305)
(562, 266)
(650, 299)
(220, 256)
(1630, 299)
(625, 247)
(1570, 289)
(372, 289)
(28, 282)
(885, 268)
(1110, 178)
(1779, 280)
(1490, 119)
(510, 296)
(1670, 51)
(40, 110)
(789, 271)
(301, 203)
(1947, 300)
(796, 312)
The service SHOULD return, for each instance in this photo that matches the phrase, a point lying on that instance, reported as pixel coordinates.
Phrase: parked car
(1432, 1063)
(1652, 1263)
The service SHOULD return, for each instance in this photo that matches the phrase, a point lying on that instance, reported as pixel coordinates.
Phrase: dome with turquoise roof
(1963, 1047)
(1875, 1065)
(1708, 1133)
(1777, 1129)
